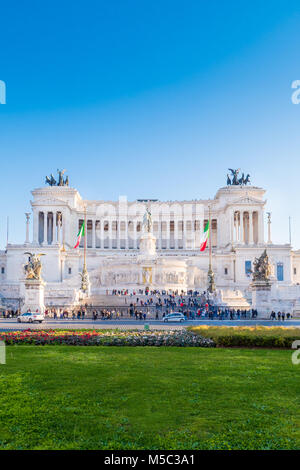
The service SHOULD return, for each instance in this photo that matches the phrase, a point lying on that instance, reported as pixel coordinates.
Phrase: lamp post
(210, 273)
(85, 282)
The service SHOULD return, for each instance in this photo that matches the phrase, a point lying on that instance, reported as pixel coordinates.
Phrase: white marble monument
(34, 296)
(261, 285)
(34, 286)
(261, 298)
(122, 241)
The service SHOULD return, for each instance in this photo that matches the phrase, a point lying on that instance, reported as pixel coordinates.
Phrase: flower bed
(181, 338)
(248, 336)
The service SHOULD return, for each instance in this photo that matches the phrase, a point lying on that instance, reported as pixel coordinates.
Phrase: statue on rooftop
(234, 174)
(241, 180)
(247, 179)
(50, 180)
(61, 181)
(235, 181)
(60, 177)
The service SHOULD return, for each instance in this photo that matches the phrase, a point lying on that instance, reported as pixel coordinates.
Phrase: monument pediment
(50, 202)
(246, 200)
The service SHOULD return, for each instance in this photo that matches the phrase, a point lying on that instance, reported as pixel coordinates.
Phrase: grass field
(65, 397)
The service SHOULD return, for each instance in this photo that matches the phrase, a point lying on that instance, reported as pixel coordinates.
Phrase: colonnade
(247, 227)
(125, 234)
(47, 227)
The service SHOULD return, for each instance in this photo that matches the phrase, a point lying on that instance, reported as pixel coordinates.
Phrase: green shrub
(251, 337)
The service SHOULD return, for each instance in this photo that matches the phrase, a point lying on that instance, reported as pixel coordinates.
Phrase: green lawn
(65, 397)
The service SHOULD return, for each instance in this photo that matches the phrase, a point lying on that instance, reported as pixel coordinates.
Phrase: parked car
(176, 316)
(29, 317)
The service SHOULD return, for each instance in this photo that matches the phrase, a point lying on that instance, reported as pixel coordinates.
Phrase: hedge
(252, 337)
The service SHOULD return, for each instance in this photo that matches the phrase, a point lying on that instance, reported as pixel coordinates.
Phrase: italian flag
(80, 235)
(205, 237)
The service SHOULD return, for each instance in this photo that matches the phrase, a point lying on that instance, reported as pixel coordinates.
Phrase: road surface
(12, 324)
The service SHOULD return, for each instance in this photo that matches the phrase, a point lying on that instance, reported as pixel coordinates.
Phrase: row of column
(129, 236)
(247, 227)
(47, 227)
(105, 237)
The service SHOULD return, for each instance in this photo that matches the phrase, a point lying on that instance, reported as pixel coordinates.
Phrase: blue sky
(150, 99)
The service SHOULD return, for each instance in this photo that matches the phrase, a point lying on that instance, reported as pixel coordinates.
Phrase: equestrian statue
(235, 181)
(61, 181)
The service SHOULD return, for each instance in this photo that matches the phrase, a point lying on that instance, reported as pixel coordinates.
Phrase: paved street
(12, 324)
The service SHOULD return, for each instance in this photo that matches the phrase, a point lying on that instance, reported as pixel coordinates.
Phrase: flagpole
(209, 239)
(7, 230)
(85, 241)
(85, 282)
(210, 274)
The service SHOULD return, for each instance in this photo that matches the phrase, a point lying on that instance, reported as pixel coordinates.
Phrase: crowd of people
(65, 313)
(280, 316)
(10, 313)
(156, 305)
(141, 309)
(152, 292)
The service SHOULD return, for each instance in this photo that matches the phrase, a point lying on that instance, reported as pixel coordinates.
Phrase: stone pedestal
(261, 297)
(34, 296)
(148, 244)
